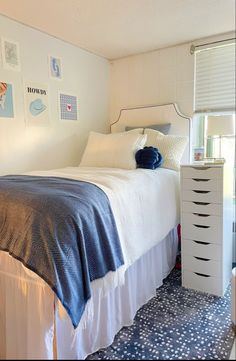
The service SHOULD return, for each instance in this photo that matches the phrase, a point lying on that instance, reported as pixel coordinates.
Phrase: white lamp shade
(220, 125)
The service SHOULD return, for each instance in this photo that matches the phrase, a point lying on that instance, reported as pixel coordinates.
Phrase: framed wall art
(55, 67)
(68, 106)
(36, 104)
(6, 100)
(10, 55)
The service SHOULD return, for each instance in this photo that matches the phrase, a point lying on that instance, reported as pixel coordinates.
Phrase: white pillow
(151, 136)
(115, 150)
(171, 148)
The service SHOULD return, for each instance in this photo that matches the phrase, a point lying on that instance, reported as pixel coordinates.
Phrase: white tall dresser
(206, 227)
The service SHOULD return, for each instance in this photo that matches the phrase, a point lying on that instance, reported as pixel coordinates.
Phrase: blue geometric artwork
(68, 107)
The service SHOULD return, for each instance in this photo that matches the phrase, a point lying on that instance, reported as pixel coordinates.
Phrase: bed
(33, 322)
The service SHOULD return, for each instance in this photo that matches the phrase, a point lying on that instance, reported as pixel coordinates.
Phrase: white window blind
(215, 79)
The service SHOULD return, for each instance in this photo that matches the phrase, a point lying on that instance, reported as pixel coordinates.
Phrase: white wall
(24, 148)
(158, 77)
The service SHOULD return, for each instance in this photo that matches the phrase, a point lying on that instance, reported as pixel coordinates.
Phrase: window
(215, 79)
(214, 95)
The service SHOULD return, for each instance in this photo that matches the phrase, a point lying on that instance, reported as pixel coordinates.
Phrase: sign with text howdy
(36, 104)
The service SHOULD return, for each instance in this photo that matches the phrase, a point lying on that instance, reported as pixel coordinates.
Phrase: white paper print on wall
(36, 104)
(68, 107)
(10, 55)
(55, 70)
(6, 100)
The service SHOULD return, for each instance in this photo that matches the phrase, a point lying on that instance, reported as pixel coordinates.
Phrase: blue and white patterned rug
(176, 324)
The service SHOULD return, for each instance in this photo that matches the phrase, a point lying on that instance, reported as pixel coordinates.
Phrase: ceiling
(119, 28)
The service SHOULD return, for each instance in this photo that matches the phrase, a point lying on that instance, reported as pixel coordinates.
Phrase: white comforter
(145, 203)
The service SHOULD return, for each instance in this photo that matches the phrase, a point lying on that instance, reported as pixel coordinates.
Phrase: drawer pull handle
(201, 192)
(201, 226)
(200, 168)
(201, 203)
(201, 274)
(202, 243)
(202, 259)
(200, 180)
(201, 215)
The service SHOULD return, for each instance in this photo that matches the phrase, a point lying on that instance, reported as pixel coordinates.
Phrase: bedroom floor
(178, 323)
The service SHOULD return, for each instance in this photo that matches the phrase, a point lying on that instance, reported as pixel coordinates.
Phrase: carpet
(177, 324)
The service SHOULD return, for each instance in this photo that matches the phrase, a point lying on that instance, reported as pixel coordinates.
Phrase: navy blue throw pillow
(149, 158)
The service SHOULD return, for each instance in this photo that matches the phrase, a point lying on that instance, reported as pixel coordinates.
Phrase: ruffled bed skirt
(33, 326)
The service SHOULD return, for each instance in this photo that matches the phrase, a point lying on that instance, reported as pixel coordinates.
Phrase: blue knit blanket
(63, 230)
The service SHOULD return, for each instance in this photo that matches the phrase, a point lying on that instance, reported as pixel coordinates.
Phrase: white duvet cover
(145, 203)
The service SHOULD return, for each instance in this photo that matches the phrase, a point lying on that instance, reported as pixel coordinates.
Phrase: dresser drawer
(201, 249)
(203, 220)
(202, 172)
(212, 234)
(198, 282)
(205, 227)
(213, 209)
(206, 266)
(202, 196)
(214, 185)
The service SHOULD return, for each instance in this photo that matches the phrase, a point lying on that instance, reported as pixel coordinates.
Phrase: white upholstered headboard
(156, 114)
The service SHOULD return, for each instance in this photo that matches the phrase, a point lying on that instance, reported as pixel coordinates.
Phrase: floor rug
(177, 324)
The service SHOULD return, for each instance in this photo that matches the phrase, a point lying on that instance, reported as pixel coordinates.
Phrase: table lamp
(220, 125)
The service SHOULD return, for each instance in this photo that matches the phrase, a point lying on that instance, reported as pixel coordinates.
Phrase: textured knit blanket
(63, 230)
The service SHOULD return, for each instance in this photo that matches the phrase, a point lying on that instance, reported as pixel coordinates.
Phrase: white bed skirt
(27, 304)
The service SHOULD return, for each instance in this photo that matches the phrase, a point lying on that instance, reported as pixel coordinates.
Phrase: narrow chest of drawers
(206, 227)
